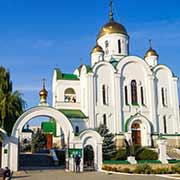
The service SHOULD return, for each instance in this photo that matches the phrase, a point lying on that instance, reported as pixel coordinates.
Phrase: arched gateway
(71, 141)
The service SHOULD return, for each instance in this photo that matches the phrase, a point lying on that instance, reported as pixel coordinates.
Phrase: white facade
(129, 94)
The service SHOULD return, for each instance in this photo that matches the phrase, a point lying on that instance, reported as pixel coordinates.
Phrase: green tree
(109, 148)
(11, 103)
(39, 141)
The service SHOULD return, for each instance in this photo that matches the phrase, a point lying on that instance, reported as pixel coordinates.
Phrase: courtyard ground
(62, 175)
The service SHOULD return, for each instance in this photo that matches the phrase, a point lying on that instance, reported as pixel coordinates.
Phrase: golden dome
(112, 28)
(96, 49)
(151, 52)
(43, 93)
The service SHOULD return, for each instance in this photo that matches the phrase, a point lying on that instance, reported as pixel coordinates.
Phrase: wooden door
(136, 137)
(49, 141)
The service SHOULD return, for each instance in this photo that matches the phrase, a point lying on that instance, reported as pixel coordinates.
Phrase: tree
(109, 148)
(11, 103)
(39, 141)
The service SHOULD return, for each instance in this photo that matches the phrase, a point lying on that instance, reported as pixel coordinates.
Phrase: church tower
(151, 56)
(114, 39)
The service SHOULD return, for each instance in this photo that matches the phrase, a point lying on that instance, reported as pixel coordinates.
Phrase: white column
(99, 158)
(176, 119)
(162, 150)
(90, 100)
(118, 104)
(5, 152)
(13, 154)
(152, 102)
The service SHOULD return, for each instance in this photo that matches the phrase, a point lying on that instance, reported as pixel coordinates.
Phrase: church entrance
(88, 158)
(136, 133)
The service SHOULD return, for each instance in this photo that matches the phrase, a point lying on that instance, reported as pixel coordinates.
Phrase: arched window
(70, 95)
(77, 129)
(104, 94)
(104, 119)
(165, 124)
(142, 96)
(164, 96)
(126, 95)
(134, 92)
(119, 46)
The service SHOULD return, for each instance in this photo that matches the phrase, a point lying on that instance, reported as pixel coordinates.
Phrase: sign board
(74, 152)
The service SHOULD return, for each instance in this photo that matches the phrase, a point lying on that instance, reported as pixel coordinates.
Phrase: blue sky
(38, 35)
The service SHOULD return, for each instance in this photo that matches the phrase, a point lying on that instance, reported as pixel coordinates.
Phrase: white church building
(136, 98)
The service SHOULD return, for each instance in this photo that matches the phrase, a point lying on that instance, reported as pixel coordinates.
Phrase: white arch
(91, 137)
(161, 66)
(130, 59)
(102, 63)
(147, 127)
(61, 119)
(25, 117)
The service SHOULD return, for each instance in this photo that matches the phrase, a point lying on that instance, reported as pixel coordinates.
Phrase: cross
(111, 11)
(44, 82)
(81, 61)
(150, 42)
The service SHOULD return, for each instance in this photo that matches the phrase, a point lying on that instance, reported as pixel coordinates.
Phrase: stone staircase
(35, 160)
(173, 153)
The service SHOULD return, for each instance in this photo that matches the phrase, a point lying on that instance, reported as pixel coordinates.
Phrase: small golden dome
(96, 49)
(43, 93)
(151, 52)
(112, 28)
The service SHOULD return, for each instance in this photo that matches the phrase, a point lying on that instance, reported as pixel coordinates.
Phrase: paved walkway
(62, 175)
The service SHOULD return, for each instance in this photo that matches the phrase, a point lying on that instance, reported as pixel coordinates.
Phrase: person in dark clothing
(6, 173)
(77, 161)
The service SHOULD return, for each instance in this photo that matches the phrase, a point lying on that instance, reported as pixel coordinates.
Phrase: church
(136, 98)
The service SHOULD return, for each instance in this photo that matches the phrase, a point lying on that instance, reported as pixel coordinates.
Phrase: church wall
(105, 111)
(60, 102)
(112, 48)
(134, 71)
(167, 114)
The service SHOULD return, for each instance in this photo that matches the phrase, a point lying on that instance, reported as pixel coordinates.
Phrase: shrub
(126, 170)
(147, 154)
(176, 168)
(120, 155)
(143, 169)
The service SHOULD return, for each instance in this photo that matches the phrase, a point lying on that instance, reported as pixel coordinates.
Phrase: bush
(176, 168)
(143, 169)
(120, 155)
(126, 170)
(146, 154)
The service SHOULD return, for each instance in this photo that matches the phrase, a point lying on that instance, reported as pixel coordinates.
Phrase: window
(134, 93)
(126, 95)
(106, 44)
(104, 119)
(165, 124)
(104, 94)
(119, 46)
(142, 96)
(77, 129)
(70, 95)
(163, 96)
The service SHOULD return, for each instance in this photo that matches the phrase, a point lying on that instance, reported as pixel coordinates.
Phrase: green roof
(114, 62)
(88, 68)
(64, 76)
(73, 113)
(49, 127)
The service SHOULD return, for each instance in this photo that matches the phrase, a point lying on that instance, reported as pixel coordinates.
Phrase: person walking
(77, 162)
(6, 174)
